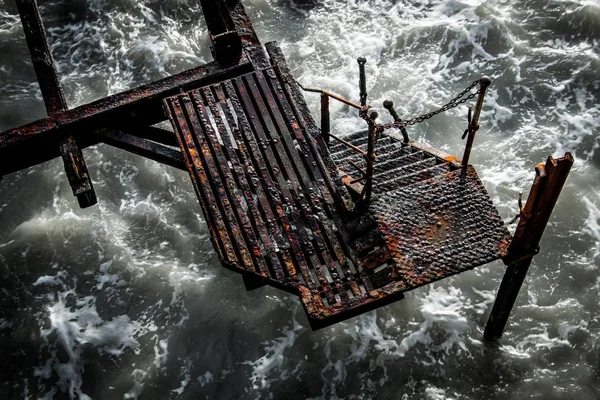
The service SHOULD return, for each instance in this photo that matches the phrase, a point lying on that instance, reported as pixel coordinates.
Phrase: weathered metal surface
(274, 196)
(253, 49)
(226, 43)
(142, 147)
(362, 81)
(534, 216)
(440, 226)
(77, 173)
(370, 158)
(325, 117)
(389, 105)
(142, 105)
(473, 122)
(41, 57)
(318, 145)
(262, 183)
(433, 221)
(54, 100)
(263, 193)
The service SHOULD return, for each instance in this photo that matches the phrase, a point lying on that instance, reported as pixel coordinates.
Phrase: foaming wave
(107, 48)
(74, 322)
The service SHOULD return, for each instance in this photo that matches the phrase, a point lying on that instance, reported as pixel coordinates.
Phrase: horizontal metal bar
(143, 104)
(332, 95)
(160, 135)
(355, 165)
(142, 147)
(350, 145)
(343, 100)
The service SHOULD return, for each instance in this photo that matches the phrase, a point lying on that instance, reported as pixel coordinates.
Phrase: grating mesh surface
(440, 226)
(275, 214)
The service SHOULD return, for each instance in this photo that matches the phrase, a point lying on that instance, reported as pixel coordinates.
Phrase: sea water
(127, 300)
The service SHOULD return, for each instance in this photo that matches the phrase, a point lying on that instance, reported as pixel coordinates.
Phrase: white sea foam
(269, 367)
(543, 101)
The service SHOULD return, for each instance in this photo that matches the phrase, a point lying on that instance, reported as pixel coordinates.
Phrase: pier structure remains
(347, 222)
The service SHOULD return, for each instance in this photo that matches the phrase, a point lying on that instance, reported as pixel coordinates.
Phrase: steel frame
(123, 120)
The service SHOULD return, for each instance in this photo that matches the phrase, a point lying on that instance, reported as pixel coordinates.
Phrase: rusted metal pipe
(484, 83)
(325, 117)
(549, 181)
(389, 105)
(362, 83)
(370, 157)
(348, 144)
(333, 96)
(343, 100)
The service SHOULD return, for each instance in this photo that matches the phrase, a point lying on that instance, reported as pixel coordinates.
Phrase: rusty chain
(455, 102)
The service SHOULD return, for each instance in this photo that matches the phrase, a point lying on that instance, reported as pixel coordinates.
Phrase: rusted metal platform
(348, 225)
(274, 213)
(432, 218)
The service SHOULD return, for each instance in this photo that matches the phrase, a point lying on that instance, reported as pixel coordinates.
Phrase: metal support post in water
(370, 157)
(389, 105)
(54, 99)
(549, 181)
(325, 119)
(484, 83)
(226, 44)
(362, 80)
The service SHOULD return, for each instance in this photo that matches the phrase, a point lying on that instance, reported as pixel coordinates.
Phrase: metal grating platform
(275, 215)
(433, 219)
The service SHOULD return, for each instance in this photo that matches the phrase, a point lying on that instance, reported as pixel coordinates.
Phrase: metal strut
(534, 216)
(473, 123)
(362, 80)
(54, 100)
(389, 105)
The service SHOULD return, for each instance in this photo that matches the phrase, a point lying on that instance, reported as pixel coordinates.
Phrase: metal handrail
(368, 155)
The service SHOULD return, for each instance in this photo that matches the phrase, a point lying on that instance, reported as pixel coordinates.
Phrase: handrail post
(362, 83)
(549, 181)
(484, 83)
(389, 105)
(325, 117)
(370, 157)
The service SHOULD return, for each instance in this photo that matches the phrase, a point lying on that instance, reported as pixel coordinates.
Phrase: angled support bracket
(54, 99)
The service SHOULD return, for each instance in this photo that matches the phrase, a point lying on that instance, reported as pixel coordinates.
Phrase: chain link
(455, 102)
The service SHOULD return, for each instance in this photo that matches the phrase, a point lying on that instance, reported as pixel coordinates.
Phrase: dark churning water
(127, 299)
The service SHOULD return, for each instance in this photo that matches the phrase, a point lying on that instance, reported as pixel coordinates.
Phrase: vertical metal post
(54, 99)
(43, 63)
(389, 105)
(370, 157)
(325, 118)
(362, 83)
(549, 181)
(484, 83)
(226, 44)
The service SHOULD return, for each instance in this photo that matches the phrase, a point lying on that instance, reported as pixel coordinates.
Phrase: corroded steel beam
(226, 43)
(54, 99)
(43, 63)
(31, 144)
(152, 133)
(142, 147)
(549, 181)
